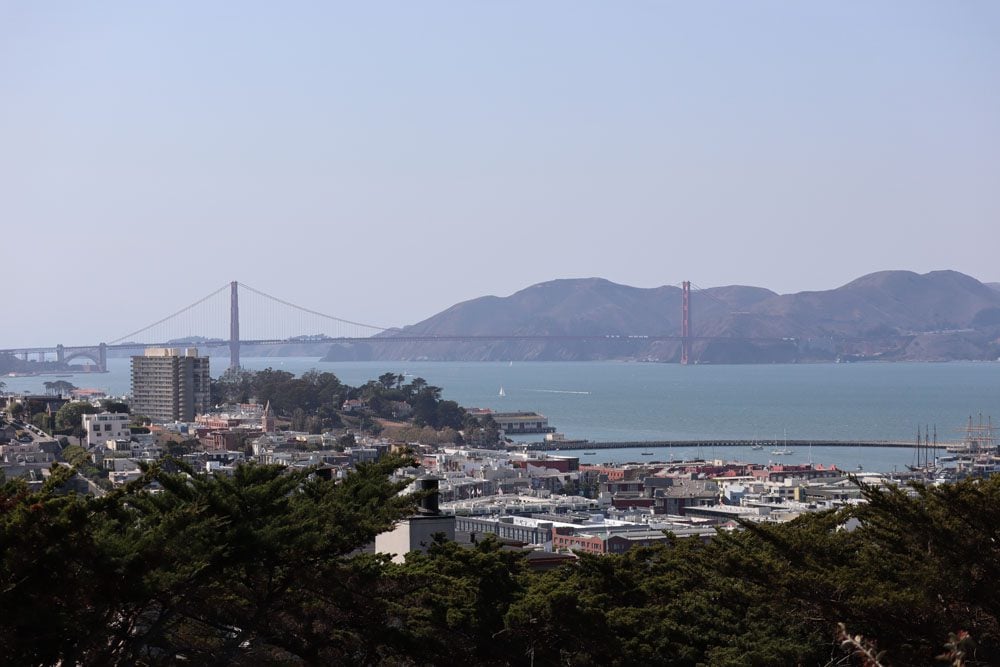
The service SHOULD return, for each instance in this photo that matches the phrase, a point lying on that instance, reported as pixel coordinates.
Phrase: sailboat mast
(919, 449)
(927, 446)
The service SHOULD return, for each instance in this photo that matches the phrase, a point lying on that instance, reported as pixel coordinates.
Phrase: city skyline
(381, 163)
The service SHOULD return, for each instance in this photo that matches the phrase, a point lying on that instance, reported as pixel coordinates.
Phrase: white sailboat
(784, 450)
(502, 392)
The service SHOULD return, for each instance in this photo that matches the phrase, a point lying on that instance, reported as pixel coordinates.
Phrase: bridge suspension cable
(310, 311)
(168, 317)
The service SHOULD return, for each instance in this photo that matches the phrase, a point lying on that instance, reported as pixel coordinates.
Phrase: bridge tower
(234, 324)
(685, 322)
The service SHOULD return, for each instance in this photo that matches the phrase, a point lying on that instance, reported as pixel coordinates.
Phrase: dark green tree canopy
(313, 401)
(116, 406)
(269, 567)
(70, 415)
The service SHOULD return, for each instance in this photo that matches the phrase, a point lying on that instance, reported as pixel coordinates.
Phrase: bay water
(647, 401)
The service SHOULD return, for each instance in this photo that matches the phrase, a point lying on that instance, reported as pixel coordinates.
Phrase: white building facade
(105, 426)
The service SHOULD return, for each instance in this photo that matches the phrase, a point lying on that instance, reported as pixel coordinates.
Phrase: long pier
(555, 446)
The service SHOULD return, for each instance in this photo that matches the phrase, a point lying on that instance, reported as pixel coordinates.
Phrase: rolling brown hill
(897, 315)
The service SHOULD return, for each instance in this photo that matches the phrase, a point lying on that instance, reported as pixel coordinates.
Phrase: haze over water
(643, 401)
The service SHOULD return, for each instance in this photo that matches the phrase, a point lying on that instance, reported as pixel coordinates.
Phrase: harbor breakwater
(555, 446)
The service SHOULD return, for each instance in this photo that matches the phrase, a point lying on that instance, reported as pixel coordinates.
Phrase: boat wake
(559, 391)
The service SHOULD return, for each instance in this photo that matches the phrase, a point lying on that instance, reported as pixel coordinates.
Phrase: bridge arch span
(91, 355)
(98, 355)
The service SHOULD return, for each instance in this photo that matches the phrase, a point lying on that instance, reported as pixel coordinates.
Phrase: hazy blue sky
(383, 160)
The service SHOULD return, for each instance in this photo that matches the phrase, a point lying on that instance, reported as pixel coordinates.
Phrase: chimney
(428, 488)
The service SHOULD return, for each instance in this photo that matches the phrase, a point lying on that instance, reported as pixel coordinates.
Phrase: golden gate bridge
(237, 314)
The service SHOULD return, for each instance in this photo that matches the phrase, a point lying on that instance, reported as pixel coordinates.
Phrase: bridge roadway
(94, 352)
(418, 338)
(767, 444)
(412, 338)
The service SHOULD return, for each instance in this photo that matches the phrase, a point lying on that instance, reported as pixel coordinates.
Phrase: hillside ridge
(885, 315)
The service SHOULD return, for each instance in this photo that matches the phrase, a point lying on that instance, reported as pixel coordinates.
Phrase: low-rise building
(507, 528)
(418, 532)
(680, 494)
(105, 426)
(25, 453)
(514, 423)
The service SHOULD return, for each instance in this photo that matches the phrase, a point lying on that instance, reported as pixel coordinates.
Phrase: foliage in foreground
(264, 568)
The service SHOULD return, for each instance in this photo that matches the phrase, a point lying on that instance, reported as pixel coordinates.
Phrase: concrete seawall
(650, 444)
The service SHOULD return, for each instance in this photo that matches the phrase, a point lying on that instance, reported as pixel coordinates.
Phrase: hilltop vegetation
(316, 401)
(263, 569)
